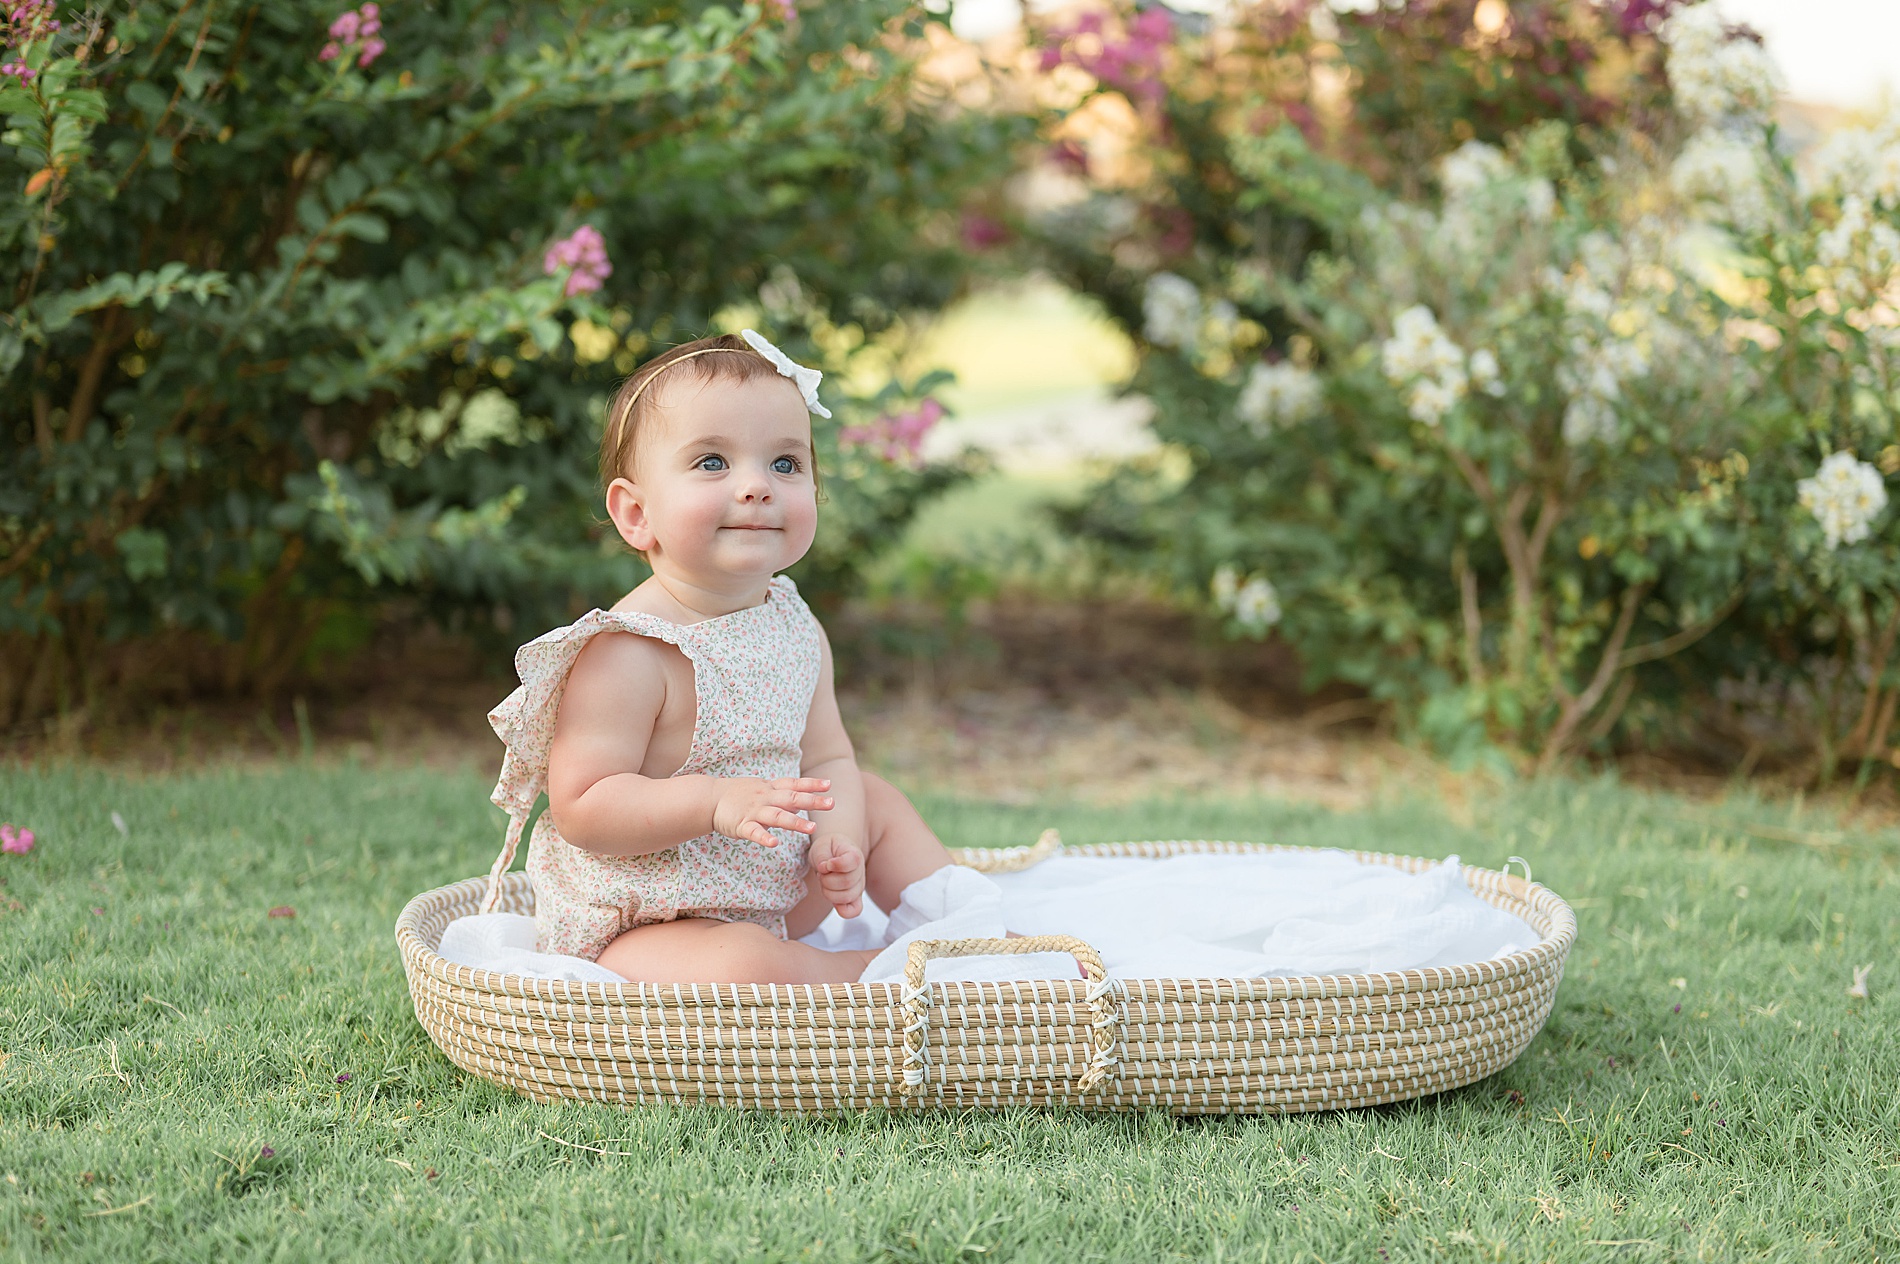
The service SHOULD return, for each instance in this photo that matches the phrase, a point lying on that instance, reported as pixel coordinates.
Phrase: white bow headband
(806, 380)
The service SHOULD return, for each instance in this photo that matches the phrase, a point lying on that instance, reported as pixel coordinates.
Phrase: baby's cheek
(801, 523)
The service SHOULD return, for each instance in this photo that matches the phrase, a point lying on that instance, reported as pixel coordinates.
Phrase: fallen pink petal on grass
(283, 910)
(17, 841)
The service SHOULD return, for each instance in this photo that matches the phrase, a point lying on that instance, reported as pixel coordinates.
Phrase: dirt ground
(1096, 702)
(1083, 702)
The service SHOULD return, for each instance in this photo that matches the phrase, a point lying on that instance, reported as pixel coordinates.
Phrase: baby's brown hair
(633, 403)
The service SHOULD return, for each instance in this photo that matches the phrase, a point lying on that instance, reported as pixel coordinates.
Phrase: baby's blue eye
(785, 465)
(710, 463)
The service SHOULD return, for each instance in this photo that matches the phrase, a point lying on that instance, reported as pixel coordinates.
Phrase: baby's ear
(626, 506)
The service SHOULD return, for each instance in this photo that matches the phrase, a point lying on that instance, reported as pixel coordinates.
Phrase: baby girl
(705, 808)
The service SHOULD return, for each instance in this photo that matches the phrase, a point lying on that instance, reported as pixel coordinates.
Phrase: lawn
(185, 1077)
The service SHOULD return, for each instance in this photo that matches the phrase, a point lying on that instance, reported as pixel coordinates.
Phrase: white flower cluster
(1171, 311)
(1253, 603)
(1485, 374)
(1282, 394)
(1429, 366)
(1483, 193)
(1718, 77)
(1861, 250)
(1723, 174)
(1600, 360)
(1471, 167)
(1845, 496)
(1594, 376)
(1862, 160)
(1174, 314)
(783, 297)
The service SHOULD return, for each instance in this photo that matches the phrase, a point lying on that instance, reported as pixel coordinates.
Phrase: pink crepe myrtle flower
(584, 253)
(1641, 17)
(25, 21)
(787, 9)
(20, 24)
(1131, 65)
(896, 437)
(1069, 156)
(356, 31)
(18, 841)
(981, 232)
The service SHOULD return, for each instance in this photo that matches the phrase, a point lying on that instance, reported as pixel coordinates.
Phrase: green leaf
(310, 213)
(194, 79)
(86, 103)
(145, 553)
(57, 311)
(361, 225)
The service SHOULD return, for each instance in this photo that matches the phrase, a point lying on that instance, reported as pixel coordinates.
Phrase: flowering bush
(582, 255)
(898, 437)
(1501, 424)
(312, 312)
(356, 32)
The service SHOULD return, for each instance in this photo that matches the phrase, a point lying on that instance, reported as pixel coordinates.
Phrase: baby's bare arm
(838, 839)
(600, 799)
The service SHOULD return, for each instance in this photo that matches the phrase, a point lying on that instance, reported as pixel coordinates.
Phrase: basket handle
(1102, 996)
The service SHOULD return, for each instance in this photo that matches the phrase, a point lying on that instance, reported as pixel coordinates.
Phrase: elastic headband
(806, 380)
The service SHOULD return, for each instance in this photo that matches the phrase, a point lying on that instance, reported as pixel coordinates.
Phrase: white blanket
(1193, 916)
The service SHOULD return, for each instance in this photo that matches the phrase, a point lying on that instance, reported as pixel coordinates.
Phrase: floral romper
(755, 671)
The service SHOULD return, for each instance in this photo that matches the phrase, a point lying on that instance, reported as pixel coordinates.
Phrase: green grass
(159, 1029)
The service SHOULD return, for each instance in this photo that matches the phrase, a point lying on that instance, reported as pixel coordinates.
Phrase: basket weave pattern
(1190, 1046)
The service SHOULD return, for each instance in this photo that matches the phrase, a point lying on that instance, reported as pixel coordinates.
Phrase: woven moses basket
(1190, 1046)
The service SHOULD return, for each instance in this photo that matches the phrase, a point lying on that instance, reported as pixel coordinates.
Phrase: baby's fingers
(807, 785)
(840, 862)
(778, 818)
(752, 831)
(799, 801)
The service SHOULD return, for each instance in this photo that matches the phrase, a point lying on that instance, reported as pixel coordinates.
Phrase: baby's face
(723, 477)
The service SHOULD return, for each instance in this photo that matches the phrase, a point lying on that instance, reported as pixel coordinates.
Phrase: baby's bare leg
(898, 848)
(700, 950)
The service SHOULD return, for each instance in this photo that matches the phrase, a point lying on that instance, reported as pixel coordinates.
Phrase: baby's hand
(752, 807)
(840, 869)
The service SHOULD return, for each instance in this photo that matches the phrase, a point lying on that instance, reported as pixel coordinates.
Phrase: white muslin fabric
(1193, 916)
(504, 943)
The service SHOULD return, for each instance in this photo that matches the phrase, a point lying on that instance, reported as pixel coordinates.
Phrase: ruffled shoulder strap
(785, 594)
(525, 719)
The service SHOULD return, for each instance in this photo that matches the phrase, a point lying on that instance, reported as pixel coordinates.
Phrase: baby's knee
(884, 802)
(743, 952)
